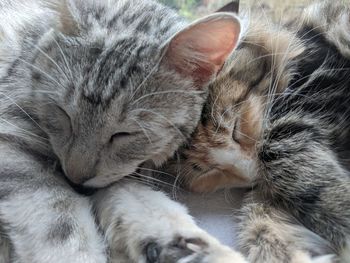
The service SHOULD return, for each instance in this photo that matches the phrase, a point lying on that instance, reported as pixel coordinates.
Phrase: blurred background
(277, 8)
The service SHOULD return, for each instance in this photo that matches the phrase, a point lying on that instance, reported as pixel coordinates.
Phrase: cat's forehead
(123, 44)
(262, 59)
(261, 63)
(117, 68)
(131, 17)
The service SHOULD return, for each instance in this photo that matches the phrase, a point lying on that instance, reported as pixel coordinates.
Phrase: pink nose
(77, 170)
(74, 175)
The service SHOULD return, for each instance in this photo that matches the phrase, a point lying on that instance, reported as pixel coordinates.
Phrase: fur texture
(278, 120)
(91, 90)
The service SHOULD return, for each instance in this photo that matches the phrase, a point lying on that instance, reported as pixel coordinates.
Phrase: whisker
(156, 171)
(143, 130)
(163, 117)
(166, 92)
(64, 58)
(144, 80)
(26, 113)
(23, 130)
(139, 180)
(46, 74)
(53, 61)
(153, 179)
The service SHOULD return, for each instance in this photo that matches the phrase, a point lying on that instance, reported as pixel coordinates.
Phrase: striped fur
(278, 121)
(91, 90)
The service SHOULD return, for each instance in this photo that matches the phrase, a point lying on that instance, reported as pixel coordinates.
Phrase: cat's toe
(187, 250)
(179, 250)
(152, 252)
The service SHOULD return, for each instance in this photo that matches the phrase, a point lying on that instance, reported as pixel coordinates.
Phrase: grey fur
(87, 92)
(5, 248)
(61, 230)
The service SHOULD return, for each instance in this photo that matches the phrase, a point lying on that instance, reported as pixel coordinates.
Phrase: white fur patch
(144, 214)
(234, 158)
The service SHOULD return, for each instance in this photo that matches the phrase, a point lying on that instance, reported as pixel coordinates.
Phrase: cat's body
(90, 90)
(278, 121)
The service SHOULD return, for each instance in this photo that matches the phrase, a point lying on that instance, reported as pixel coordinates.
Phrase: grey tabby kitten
(278, 121)
(91, 90)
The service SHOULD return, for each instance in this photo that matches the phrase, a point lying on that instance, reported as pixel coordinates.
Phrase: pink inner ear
(215, 40)
(201, 50)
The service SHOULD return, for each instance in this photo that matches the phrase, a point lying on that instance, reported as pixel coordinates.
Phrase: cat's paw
(324, 259)
(148, 227)
(186, 250)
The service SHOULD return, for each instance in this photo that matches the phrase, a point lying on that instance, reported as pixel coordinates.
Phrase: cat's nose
(78, 169)
(76, 175)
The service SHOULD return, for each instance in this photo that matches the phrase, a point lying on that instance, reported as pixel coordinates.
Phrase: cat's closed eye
(59, 121)
(121, 136)
(235, 133)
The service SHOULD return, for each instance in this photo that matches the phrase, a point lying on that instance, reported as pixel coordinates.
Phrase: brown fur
(280, 112)
(235, 110)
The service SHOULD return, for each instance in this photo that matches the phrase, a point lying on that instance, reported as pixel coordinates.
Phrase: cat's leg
(44, 219)
(271, 235)
(147, 226)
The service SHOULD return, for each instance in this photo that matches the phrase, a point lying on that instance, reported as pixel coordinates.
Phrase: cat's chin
(105, 181)
(97, 182)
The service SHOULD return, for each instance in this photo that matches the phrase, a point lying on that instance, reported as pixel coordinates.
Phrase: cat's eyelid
(64, 112)
(123, 135)
(234, 132)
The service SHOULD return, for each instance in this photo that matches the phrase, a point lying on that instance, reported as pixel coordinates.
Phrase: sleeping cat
(278, 121)
(91, 90)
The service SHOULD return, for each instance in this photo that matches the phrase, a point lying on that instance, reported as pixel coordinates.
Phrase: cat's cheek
(111, 171)
(159, 159)
(165, 148)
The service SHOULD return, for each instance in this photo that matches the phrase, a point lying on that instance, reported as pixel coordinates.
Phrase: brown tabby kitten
(277, 120)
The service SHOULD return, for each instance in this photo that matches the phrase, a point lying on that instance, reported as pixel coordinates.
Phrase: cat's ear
(200, 50)
(230, 7)
(68, 22)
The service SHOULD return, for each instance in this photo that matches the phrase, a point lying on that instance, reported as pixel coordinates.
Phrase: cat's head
(124, 83)
(222, 152)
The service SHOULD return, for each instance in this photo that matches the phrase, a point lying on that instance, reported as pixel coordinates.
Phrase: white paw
(150, 228)
(324, 259)
(224, 255)
(302, 257)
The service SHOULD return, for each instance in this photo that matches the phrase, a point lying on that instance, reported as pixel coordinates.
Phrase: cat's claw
(179, 250)
(187, 250)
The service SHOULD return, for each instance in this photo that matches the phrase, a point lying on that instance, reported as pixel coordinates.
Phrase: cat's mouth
(110, 178)
(82, 189)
